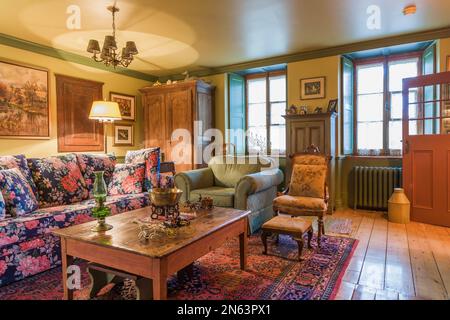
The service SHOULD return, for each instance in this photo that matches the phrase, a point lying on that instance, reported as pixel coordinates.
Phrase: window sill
(373, 157)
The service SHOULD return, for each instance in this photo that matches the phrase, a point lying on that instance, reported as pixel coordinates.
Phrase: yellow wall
(112, 82)
(444, 52)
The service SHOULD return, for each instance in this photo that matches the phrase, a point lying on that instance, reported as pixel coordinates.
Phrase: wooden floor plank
(345, 291)
(398, 275)
(427, 280)
(364, 293)
(438, 241)
(372, 273)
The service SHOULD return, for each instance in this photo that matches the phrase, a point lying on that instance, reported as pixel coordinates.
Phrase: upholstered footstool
(287, 225)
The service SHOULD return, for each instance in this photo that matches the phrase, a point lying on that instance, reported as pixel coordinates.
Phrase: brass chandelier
(108, 54)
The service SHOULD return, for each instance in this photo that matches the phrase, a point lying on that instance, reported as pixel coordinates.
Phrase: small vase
(100, 192)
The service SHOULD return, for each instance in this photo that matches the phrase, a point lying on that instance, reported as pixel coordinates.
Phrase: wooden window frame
(385, 60)
(266, 76)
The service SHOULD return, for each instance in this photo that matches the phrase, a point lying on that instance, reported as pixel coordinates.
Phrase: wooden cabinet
(178, 106)
(318, 129)
(74, 99)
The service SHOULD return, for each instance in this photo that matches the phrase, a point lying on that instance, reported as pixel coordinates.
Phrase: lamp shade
(105, 111)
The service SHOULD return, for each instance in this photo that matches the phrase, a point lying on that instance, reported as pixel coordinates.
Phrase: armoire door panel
(155, 117)
(76, 132)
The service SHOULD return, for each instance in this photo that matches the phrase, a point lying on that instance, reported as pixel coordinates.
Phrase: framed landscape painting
(312, 88)
(24, 105)
(123, 135)
(127, 105)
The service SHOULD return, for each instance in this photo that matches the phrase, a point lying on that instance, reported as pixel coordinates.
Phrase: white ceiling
(175, 35)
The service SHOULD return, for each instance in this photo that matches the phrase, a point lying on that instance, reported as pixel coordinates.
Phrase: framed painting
(312, 88)
(127, 105)
(24, 102)
(123, 134)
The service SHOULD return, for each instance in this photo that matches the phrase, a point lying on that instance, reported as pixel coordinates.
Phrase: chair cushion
(310, 159)
(308, 181)
(222, 197)
(127, 179)
(89, 163)
(299, 205)
(152, 165)
(58, 180)
(20, 162)
(17, 194)
(287, 224)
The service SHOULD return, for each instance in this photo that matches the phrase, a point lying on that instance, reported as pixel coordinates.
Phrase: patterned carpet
(278, 276)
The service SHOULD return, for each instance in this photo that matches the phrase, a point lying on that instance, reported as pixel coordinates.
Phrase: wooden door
(74, 100)
(305, 133)
(155, 121)
(180, 116)
(426, 152)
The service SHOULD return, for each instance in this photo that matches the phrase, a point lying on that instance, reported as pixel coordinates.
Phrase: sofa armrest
(194, 179)
(256, 182)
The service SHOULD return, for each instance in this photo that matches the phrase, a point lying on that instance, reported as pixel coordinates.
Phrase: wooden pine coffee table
(157, 259)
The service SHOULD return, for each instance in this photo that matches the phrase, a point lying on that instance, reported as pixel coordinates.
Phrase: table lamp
(106, 112)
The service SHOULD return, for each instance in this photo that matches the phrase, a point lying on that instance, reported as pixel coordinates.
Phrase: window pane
(278, 138)
(399, 70)
(396, 105)
(278, 88)
(257, 139)
(276, 113)
(370, 107)
(370, 79)
(256, 90)
(395, 135)
(370, 135)
(256, 115)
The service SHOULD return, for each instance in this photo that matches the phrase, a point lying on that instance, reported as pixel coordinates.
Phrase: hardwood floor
(395, 261)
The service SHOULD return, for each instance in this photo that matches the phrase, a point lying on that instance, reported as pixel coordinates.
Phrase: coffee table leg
(160, 280)
(66, 261)
(243, 243)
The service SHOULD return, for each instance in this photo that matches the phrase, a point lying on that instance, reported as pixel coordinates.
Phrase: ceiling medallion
(108, 54)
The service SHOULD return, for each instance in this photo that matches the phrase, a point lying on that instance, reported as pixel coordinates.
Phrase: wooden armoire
(318, 129)
(178, 106)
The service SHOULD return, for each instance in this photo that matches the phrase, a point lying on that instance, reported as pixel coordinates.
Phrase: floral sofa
(27, 245)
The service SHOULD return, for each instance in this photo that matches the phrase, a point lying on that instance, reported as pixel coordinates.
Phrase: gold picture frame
(312, 88)
(123, 135)
(24, 101)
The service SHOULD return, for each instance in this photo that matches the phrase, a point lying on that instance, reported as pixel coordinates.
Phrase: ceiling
(177, 35)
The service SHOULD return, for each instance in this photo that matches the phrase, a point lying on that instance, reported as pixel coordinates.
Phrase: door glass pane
(278, 139)
(370, 79)
(276, 113)
(370, 107)
(277, 88)
(395, 135)
(256, 90)
(257, 115)
(370, 135)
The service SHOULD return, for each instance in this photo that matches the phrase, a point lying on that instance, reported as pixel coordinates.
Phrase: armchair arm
(194, 179)
(254, 183)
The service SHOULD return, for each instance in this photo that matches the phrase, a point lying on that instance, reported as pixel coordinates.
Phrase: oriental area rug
(217, 276)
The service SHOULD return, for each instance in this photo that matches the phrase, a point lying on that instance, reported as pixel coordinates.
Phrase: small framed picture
(332, 105)
(312, 88)
(123, 134)
(127, 105)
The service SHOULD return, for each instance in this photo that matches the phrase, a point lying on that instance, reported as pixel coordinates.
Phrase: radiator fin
(374, 186)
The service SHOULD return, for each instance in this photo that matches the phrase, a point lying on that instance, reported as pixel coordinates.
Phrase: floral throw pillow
(127, 179)
(17, 193)
(19, 162)
(2, 207)
(308, 181)
(58, 180)
(152, 165)
(89, 163)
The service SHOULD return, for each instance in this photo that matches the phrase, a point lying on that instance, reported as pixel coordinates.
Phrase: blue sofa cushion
(17, 193)
(151, 158)
(89, 163)
(20, 162)
(127, 179)
(2, 207)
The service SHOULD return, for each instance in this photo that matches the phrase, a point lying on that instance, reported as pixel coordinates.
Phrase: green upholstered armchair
(241, 182)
